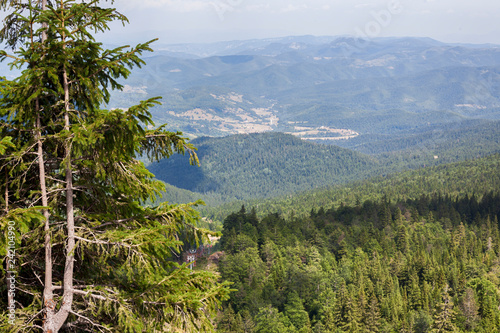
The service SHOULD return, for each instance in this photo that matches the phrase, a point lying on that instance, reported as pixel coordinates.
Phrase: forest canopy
(425, 265)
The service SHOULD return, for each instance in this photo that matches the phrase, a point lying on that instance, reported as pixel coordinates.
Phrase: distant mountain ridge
(257, 46)
(232, 47)
(301, 84)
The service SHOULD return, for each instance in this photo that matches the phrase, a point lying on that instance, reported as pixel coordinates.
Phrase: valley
(351, 193)
(400, 102)
(391, 87)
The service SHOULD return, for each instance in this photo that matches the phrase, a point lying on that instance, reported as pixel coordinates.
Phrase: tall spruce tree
(444, 316)
(90, 255)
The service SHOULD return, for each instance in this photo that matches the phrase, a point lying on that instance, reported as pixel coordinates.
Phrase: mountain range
(394, 103)
(300, 84)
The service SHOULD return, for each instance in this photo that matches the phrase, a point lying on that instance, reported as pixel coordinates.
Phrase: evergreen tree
(414, 294)
(422, 322)
(444, 316)
(402, 242)
(73, 180)
(269, 320)
(247, 321)
(294, 310)
(469, 309)
(352, 316)
(372, 316)
(228, 321)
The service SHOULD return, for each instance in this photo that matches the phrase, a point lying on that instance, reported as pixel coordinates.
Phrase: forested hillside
(244, 167)
(451, 142)
(456, 179)
(425, 265)
(262, 165)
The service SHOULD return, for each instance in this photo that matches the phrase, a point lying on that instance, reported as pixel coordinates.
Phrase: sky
(187, 21)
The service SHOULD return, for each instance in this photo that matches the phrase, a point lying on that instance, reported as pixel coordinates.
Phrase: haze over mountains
(297, 84)
(410, 102)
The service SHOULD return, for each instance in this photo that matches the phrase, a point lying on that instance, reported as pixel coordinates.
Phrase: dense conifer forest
(429, 264)
(455, 179)
(266, 165)
(261, 165)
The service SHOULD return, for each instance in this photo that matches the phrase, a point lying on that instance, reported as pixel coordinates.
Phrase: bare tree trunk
(70, 222)
(48, 296)
(67, 303)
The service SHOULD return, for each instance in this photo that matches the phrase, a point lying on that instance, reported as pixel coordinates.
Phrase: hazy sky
(174, 21)
(178, 21)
